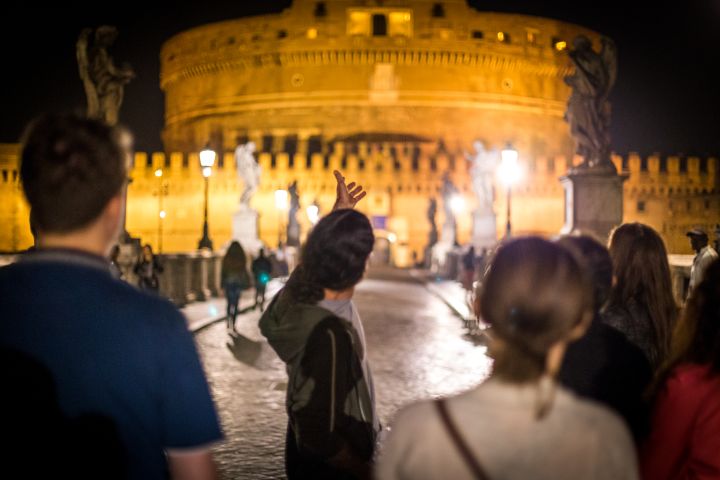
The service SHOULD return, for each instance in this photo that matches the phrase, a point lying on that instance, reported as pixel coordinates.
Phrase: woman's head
(334, 256)
(147, 252)
(535, 295)
(642, 276)
(235, 255)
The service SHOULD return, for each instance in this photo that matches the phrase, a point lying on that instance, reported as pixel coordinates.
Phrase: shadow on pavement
(245, 350)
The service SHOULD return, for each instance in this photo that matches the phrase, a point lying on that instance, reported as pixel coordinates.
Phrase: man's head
(698, 238)
(73, 172)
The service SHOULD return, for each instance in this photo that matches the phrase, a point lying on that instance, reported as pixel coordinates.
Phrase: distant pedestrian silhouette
(234, 278)
(147, 269)
(261, 268)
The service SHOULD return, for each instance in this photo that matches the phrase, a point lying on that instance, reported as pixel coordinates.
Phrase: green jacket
(328, 400)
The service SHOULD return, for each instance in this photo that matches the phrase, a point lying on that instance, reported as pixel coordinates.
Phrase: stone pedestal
(484, 233)
(448, 234)
(593, 202)
(245, 230)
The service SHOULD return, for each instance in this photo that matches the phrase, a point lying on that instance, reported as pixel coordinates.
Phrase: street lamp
(313, 213)
(509, 173)
(281, 203)
(457, 204)
(207, 160)
(162, 191)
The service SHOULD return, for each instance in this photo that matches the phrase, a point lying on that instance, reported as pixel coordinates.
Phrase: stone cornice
(367, 56)
(360, 98)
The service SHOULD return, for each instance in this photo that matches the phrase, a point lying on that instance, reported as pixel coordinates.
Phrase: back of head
(596, 259)
(235, 256)
(70, 169)
(534, 294)
(334, 256)
(642, 274)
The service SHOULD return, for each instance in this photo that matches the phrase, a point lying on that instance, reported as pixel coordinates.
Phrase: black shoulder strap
(457, 439)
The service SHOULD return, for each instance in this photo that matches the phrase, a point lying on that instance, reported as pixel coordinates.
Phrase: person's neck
(346, 294)
(82, 241)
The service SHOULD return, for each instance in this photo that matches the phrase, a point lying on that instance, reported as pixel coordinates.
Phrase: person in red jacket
(685, 439)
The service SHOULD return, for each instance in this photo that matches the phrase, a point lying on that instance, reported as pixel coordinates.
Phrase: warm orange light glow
(312, 33)
(400, 24)
(560, 46)
(501, 36)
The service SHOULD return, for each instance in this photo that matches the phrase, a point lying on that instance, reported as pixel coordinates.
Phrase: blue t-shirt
(112, 350)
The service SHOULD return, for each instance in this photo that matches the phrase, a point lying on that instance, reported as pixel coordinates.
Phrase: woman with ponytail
(519, 424)
(314, 327)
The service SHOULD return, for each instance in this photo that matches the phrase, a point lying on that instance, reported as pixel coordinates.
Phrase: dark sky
(667, 97)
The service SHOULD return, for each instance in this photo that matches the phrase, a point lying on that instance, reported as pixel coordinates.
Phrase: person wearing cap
(705, 255)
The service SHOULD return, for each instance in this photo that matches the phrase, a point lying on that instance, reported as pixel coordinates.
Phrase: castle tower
(353, 70)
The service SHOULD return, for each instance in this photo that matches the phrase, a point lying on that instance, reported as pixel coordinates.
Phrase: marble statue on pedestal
(449, 228)
(593, 189)
(482, 172)
(293, 227)
(103, 81)
(248, 171)
(245, 218)
(588, 108)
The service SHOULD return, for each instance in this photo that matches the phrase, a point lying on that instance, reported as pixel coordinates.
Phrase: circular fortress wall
(343, 70)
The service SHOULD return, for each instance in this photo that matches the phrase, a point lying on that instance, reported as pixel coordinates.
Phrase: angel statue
(588, 109)
(248, 171)
(103, 81)
(482, 172)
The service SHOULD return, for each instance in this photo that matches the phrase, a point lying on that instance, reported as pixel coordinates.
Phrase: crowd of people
(597, 373)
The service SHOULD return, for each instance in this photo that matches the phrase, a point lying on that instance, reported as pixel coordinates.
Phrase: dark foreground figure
(108, 350)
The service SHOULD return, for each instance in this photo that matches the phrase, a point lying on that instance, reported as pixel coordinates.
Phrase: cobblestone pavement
(417, 349)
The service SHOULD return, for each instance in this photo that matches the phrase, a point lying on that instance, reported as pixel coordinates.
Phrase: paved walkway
(202, 314)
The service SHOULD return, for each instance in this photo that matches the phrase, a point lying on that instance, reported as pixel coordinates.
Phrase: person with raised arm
(314, 327)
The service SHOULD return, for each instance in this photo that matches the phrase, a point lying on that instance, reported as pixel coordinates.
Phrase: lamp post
(207, 160)
(313, 213)
(281, 203)
(509, 173)
(162, 191)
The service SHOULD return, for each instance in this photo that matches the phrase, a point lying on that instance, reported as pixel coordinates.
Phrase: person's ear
(113, 216)
(579, 330)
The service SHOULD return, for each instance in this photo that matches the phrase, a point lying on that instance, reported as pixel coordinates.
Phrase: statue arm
(81, 51)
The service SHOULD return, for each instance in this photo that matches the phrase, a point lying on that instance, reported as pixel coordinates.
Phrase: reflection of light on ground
(213, 310)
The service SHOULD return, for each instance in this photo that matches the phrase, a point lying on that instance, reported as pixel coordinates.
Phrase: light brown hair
(534, 294)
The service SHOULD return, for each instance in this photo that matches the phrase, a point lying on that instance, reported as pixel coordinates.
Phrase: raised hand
(347, 195)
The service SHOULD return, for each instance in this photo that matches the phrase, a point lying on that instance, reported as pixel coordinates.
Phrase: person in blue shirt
(111, 351)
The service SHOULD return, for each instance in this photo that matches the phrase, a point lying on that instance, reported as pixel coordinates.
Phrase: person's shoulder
(415, 416)
(131, 302)
(589, 415)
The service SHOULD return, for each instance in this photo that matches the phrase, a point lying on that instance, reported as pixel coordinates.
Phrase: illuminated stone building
(394, 94)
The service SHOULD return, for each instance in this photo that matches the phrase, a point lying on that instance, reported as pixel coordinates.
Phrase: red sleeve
(685, 439)
(704, 461)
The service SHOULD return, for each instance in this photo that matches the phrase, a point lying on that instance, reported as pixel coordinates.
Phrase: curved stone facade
(326, 71)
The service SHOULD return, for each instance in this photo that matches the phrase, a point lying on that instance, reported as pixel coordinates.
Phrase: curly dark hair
(333, 257)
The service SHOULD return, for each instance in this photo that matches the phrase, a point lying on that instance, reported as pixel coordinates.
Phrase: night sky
(666, 99)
